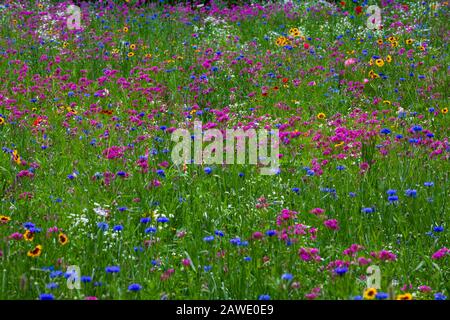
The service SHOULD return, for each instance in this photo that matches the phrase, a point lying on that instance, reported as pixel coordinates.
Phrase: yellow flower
(16, 157)
(2, 121)
(282, 41)
(371, 62)
(421, 48)
(40, 5)
(36, 252)
(444, 110)
(294, 32)
(379, 62)
(387, 102)
(373, 75)
(409, 41)
(125, 29)
(62, 238)
(28, 235)
(406, 296)
(380, 41)
(132, 46)
(370, 293)
(148, 55)
(115, 51)
(394, 44)
(130, 54)
(4, 219)
(389, 58)
(65, 44)
(321, 116)
(340, 144)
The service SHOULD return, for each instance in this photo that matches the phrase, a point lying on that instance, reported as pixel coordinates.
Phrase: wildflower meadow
(284, 150)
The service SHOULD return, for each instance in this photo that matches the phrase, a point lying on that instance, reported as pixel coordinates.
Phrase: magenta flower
(441, 253)
(113, 152)
(317, 211)
(331, 224)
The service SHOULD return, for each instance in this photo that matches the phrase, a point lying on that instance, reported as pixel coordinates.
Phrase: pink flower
(362, 261)
(424, 289)
(90, 298)
(16, 236)
(317, 211)
(384, 255)
(331, 224)
(186, 262)
(113, 152)
(257, 235)
(440, 253)
(350, 61)
(308, 254)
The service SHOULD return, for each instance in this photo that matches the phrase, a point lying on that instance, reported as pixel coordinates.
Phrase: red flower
(358, 9)
(306, 45)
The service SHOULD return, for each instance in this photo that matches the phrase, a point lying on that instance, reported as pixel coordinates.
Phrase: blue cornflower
(52, 285)
(287, 277)
(368, 210)
(28, 225)
(439, 296)
(219, 233)
(381, 296)
(296, 190)
(145, 220)
(208, 238)
(162, 220)
(86, 279)
(46, 296)
(56, 274)
(118, 228)
(160, 173)
(391, 192)
(243, 243)
(207, 268)
(393, 198)
(438, 229)
(271, 233)
(264, 297)
(411, 193)
(208, 170)
(248, 258)
(122, 209)
(121, 173)
(385, 131)
(428, 184)
(341, 270)
(112, 269)
(357, 298)
(235, 241)
(134, 287)
(102, 226)
(340, 168)
(150, 230)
